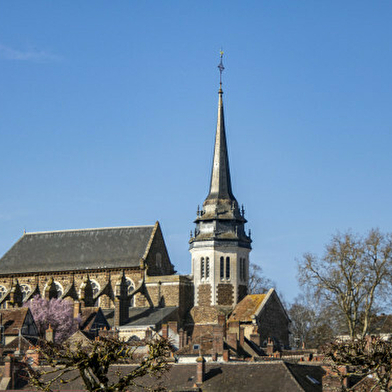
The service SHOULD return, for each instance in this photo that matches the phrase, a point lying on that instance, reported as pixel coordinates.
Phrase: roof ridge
(87, 229)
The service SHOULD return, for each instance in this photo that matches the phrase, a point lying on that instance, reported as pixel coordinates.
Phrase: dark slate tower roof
(78, 249)
(220, 187)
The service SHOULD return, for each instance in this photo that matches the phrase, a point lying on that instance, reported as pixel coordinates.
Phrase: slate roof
(143, 317)
(77, 250)
(233, 377)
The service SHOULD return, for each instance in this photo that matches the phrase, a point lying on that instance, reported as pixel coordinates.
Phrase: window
(59, 289)
(202, 268)
(130, 288)
(96, 288)
(207, 267)
(3, 290)
(227, 267)
(222, 267)
(26, 290)
(244, 269)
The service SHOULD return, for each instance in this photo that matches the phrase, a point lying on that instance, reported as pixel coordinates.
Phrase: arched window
(3, 290)
(130, 288)
(96, 289)
(26, 290)
(207, 267)
(59, 289)
(202, 268)
(222, 267)
(227, 267)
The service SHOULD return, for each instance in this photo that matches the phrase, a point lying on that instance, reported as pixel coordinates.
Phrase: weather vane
(221, 67)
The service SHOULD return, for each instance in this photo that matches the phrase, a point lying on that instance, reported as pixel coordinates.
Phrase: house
(18, 322)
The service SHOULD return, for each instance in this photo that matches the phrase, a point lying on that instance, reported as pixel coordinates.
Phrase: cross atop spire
(221, 68)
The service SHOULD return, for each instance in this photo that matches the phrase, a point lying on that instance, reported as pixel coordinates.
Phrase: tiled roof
(77, 250)
(247, 307)
(13, 319)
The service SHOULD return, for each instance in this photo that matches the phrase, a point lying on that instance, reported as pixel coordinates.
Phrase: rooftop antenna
(221, 67)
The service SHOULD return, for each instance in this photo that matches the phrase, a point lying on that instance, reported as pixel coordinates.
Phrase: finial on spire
(221, 68)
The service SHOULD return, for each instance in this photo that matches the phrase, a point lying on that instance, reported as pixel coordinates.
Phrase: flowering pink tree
(57, 313)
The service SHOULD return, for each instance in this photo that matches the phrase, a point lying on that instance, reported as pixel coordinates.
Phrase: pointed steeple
(220, 186)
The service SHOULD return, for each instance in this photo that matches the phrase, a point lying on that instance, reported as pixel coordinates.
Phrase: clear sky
(108, 114)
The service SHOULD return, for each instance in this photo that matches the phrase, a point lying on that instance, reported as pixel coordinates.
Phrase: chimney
(76, 309)
(200, 370)
(49, 334)
(165, 331)
(148, 336)
(173, 326)
(181, 338)
(255, 338)
(242, 337)
(270, 347)
(226, 355)
(231, 339)
(222, 322)
(8, 366)
(217, 342)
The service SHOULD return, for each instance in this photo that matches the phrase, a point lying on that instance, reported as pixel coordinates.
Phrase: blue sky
(108, 113)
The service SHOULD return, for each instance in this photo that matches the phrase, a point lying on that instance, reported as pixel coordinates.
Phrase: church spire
(220, 187)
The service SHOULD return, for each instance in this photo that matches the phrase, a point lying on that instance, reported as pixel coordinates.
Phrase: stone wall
(273, 323)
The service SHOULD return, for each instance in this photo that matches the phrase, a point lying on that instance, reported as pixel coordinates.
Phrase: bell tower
(219, 245)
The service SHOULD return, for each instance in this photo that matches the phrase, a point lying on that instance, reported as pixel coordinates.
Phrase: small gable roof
(247, 307)
(78, 249)
(13, 319)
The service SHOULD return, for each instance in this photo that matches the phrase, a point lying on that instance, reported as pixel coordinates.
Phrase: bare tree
(369, 359)
(312, 322)
(353, 276)
(93, 362)
(258, 283)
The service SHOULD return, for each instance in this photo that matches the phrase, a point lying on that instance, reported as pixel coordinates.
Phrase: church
(127, 272)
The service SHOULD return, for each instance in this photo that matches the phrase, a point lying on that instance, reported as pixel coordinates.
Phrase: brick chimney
(270, 347)
(231, 339)
(173, 326)
(255, 338)
(217, 336)
(77, 309)
(242, 336)
(165, 331)
(49, 334)
(200, 369)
